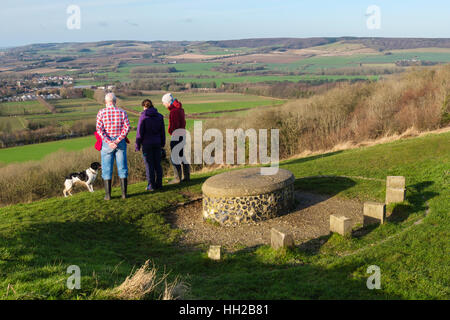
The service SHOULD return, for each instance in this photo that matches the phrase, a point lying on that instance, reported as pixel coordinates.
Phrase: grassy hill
(38, 241)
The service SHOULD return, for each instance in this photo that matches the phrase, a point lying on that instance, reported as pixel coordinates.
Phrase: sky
(42, 21)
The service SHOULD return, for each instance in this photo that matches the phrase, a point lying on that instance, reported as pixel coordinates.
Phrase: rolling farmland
(71, 110)
(208, 64)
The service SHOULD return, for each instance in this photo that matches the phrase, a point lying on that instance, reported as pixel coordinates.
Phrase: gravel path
(308, 221)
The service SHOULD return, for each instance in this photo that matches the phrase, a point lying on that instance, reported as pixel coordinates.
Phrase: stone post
(340, 224)
(395, 189)
(374, 212)
(214, 252)
(280, 239)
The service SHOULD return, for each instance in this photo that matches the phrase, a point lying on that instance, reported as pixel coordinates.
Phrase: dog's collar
(92, 170)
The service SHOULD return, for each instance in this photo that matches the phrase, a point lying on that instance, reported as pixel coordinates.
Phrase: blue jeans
(153, 169)
(108, 156)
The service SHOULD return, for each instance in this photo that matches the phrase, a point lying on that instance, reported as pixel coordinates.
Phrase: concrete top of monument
(246, 182)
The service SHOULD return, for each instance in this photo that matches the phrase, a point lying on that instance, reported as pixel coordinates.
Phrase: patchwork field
(202, 73)
(12, 123)
(309, 59)
(22, 108)
(332, 62)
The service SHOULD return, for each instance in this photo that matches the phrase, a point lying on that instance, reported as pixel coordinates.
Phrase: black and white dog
(86, 178)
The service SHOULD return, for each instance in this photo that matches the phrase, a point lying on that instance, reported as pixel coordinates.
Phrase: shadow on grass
(172, 187)
(106, 253)
(312, 246)
(311, 158)
(264, 273)
(291, 279)
(416, 202)
(330, 186)
(316, 190)
(417, 198)
(364, 231)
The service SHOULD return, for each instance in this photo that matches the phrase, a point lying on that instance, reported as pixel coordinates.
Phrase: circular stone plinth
(242, 196)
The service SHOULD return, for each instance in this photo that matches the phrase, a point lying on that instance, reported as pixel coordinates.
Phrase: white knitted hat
(167, 98)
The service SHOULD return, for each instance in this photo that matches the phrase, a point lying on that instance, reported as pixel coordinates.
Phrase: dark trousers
(153, 169)
(183, 168)
(180, 154)
(176, 167)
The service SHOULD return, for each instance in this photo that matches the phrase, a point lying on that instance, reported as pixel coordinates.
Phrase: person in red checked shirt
(113, 127)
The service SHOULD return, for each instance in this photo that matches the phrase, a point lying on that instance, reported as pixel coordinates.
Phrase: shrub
(355, 112)
(154, 69)
(88, 93)
(43, 131)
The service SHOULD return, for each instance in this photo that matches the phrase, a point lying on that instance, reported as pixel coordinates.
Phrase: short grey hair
(110, 97)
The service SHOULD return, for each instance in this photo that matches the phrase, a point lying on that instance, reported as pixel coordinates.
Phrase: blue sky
(40, 21)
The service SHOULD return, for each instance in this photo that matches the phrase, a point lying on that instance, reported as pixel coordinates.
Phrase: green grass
(38, 241)
(188, 97)
(22, 108)
(426, 56)
(15, 123)
(275, 78)
(213, 106)
(195, 98)
(68, 111)
(39, 151)
(201, 72)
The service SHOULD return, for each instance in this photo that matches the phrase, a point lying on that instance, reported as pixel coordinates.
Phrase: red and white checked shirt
(112, 122)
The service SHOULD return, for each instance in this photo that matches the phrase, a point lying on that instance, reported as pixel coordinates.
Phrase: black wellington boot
(107, 189)
(186, 173)
(123, 186)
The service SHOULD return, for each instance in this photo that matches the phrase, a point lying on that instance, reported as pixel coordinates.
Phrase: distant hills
(288, 43)
(96, 61)
(381, 44)
(301, 43)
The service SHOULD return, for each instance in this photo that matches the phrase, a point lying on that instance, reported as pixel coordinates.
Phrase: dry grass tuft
(145, 283)
(175, 290)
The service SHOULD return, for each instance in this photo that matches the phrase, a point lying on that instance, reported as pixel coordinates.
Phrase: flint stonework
(244, 196)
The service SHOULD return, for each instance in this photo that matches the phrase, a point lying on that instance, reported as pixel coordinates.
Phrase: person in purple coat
(151, 138)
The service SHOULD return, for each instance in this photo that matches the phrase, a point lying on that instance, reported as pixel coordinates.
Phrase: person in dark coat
(151, 138)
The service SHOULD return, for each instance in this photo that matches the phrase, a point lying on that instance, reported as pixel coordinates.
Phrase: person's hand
(112, 145)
